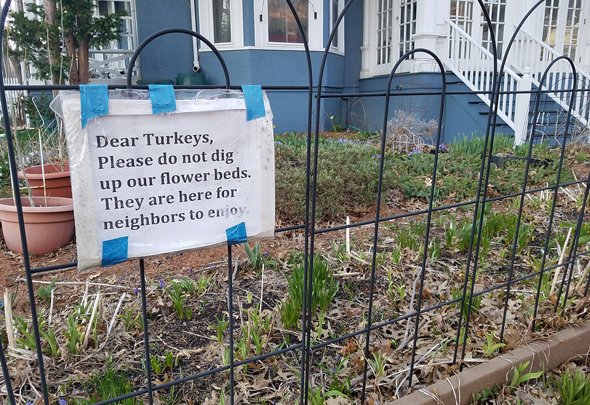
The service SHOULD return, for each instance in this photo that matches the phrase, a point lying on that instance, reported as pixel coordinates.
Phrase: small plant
(290, 313)
(254, 334)
(407, 239)
(395, 292)
(48, 335)
(485, 395)
(435, 249)
(176, 292)
(169, 361)
(220, 328)
(574, 388)
(450, 233)
(132, 319)
(111, 384)
(582, 157)
(378, 363)
(316, 397)
(521, 377)
(464, 304)
(162, 365)
(72, 334)
(324, 288)
(202, 285)
(257, 258)
(396, 255)
(490, 348)
(26, 338)
(44, 293)
(339, 382)
(156, 365)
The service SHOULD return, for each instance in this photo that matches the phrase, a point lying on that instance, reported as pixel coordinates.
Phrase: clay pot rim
(62, 204)
(48, 175)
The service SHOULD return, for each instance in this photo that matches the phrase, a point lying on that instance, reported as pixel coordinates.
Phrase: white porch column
(431, 32)
(523, 101)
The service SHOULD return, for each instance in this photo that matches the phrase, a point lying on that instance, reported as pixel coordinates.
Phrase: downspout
(196, 63)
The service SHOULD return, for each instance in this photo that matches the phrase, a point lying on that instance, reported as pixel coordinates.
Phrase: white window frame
(206, 26)
(315, 35)
(131, 18)
(370, 68)
(340, 34)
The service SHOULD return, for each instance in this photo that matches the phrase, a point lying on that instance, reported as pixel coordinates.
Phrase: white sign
(169, 182)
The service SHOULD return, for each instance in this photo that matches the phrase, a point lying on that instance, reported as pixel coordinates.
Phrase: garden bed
(92, 357)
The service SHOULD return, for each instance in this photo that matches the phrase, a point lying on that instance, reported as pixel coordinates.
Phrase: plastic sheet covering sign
(145, 184)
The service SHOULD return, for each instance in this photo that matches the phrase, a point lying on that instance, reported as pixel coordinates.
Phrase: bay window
(220, 21)
(276, 28)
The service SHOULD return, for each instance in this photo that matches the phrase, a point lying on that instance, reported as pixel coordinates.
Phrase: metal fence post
(523, 101)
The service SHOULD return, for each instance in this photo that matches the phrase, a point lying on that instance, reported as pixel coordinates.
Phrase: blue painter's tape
(236, 234)
(163, 98)
(115, 251)
(254, 102)
(94, 101)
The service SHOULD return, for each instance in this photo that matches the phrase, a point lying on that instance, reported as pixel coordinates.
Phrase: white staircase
(474, 65)
(529, 58)
(535, 54)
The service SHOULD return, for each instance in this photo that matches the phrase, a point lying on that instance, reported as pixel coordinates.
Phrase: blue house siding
(353, 41)
(171, 54)
(281, 68)
(462, 112)
(167, 56)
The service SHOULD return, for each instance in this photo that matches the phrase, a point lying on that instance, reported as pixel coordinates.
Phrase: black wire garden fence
(517, 232)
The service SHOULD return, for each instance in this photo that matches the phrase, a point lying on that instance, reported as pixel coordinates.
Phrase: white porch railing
(474, 65)
(110, 63)
(531, 52)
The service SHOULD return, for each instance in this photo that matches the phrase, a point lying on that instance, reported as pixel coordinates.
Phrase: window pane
(103, 8)
(221, 21)
(334, 18)
(281, 23)
(122, 7)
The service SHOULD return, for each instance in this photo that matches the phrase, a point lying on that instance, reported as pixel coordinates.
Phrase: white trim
(370, 66)
(340, 49)
(272, 48)
(206, 25)
(315, 35)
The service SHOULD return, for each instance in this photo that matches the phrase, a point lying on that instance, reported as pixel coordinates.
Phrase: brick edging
(546, 354)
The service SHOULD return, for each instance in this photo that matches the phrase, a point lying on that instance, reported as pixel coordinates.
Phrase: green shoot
(490, 348)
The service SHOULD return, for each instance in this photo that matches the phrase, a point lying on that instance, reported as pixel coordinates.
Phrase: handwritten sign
(146, 184)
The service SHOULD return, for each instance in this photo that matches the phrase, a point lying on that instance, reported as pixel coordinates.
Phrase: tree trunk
(83, 61)
(73, 56)
(50, 8)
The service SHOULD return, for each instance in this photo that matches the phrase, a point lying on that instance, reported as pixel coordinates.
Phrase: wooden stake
(114, 318)
(51, 307)
(8, 319)
(92, 316)
(348, 236)
(561, 257)
(261, 288)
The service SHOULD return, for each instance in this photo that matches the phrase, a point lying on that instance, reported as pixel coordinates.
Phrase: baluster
(510, 105)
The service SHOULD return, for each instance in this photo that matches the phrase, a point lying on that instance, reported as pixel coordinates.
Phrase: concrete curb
(544, 354)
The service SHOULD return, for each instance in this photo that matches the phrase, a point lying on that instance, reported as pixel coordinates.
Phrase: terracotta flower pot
(57, 180)
(49, 224)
